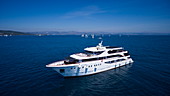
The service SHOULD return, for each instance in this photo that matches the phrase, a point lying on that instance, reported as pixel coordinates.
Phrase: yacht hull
(89, 68)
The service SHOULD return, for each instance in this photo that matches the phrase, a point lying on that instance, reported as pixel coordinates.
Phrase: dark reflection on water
(23, 71)
(98, 84)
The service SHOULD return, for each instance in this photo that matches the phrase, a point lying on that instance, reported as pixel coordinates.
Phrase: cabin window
(111, 47)
(62, 70)
(97, 53)
(108, 62)
(80, 61)
(115, 51)
(92, 59)
(126, 54)
(86, 70)
(100, 58)
(95, 69)
(114, 56)
(120, 60)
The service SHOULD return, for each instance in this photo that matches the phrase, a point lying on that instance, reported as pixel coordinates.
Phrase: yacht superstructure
(93, 60)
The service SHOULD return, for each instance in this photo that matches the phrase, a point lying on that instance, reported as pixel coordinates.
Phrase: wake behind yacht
(93, 60)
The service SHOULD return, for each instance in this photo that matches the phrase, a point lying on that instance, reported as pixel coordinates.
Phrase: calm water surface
(23, 71)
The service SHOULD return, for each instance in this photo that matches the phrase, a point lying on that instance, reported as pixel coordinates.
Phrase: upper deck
(95, 49)
(93, 52)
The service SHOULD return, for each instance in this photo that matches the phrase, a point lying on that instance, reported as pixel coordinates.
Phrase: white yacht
(93, 60)
(82, 35)
(92, 36)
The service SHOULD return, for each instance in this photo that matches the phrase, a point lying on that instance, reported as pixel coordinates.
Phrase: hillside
(8, 32)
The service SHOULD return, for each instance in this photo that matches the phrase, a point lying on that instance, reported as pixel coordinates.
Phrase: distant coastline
(11, 33)
(14, 33)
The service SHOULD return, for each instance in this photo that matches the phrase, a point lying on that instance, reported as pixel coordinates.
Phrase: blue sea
(23, 71)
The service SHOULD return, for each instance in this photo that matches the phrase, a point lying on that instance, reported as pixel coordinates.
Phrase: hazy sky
(85, 15)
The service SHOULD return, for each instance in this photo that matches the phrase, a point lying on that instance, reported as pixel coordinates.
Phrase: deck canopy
(95, 49)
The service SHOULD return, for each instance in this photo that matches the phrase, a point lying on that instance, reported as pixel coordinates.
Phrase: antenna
(100, 44)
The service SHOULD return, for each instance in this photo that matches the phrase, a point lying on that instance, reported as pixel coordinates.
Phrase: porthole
(62, 70)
